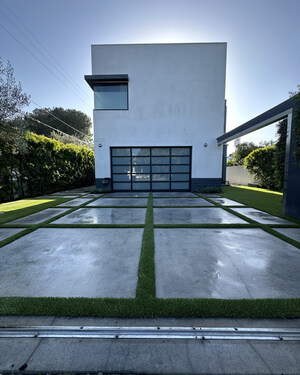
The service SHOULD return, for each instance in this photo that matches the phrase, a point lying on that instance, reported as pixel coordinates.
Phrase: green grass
(151, 307)
(146, 274)
(261, 199)
(146, 304)
(17, 209)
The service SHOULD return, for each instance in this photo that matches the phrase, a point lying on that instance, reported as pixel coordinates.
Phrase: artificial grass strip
(146, 274)
(206, 225)
(291, 241)
(151, 307)
(261, 199)
(18, 235)
(92, 225)
(23, 203)
(21, 212)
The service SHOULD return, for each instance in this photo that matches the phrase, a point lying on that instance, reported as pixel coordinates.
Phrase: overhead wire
(42, 63)
(61, 69)
(51, 127)
(62, 121)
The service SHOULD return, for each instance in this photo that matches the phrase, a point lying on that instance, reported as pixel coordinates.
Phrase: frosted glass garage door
(151, 168)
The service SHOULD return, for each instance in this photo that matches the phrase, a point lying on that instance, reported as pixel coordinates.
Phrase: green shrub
(279, 157)
(260, 163)
(210, 189)
(45, 166)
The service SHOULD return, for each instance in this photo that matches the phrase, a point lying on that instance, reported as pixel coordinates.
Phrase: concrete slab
(23, 320)
(93, 195)
(75, 202)
(173, 194)
(293, 233)
(39, 217)
(226, 202)
(181, 202)
(128, 195)
(66, 194)
(85, 262)
(193, 215)
(209, 195)
(8, 232)
(104, 216)
(172, 322)
(260, 216)
(15, 352)
(225, 263)
(130, 202)
(166, 356)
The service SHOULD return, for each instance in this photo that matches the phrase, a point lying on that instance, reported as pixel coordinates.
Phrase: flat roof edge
(155, 44)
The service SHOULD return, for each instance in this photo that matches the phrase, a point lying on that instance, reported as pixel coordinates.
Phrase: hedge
(260, 163)
(44, 166)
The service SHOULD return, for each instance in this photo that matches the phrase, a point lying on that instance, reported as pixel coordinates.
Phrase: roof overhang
(94, 80)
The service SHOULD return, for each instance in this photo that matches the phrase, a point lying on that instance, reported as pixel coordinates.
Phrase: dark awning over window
(94, 80)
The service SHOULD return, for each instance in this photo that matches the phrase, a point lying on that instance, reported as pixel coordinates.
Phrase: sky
(49, 46)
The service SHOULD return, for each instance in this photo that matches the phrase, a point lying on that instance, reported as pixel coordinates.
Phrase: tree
(77, 119)
(12, 100)
(260, 163)
(70, 139)
(242, 151)
(279, 157)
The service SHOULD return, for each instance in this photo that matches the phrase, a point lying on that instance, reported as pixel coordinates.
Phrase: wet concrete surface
(260, 216)
(8, 232)
(128, 195)
(166, 356)
(293, 233)
(130, 202)
(225, 263)
(85, 262)
(67, 194)
(104, 216)
(210, 215)
(174, 194)
(226, 202)
(75, 202)
(181, 202)
(39, 217)
(209, 195)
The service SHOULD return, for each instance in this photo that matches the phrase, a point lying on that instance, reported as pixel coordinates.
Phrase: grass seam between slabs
(146, 287)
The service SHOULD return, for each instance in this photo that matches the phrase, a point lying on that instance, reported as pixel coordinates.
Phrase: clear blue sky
(263, 48)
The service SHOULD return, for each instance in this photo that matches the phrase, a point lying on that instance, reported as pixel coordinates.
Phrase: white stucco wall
(176, 98)
(237, 175)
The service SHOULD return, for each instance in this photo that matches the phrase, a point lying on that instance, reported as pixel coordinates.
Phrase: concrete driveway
(64, 259)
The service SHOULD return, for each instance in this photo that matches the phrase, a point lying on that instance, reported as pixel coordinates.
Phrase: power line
(41, 62)
(51, 114)
(51, 127)
(63, 72)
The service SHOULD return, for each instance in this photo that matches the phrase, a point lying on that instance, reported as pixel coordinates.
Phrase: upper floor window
(110, 91)
(111, 96)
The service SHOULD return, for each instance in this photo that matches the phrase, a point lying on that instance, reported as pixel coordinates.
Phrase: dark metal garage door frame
(150, 164)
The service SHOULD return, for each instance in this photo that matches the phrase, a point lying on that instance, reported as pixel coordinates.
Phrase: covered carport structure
(284, 110)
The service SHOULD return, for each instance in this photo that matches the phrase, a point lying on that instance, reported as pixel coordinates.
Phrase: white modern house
(158, 111)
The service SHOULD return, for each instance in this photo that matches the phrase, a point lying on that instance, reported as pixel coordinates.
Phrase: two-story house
(158, 109)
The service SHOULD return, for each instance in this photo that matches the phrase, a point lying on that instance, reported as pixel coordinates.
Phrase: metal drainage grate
(182, 333)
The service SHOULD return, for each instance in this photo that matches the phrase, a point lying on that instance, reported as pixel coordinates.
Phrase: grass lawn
(23, 207)
(146, 304)
(262, 199)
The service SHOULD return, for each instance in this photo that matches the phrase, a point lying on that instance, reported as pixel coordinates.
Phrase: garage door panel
(141, 186)
(151, 168)
(160, 160)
